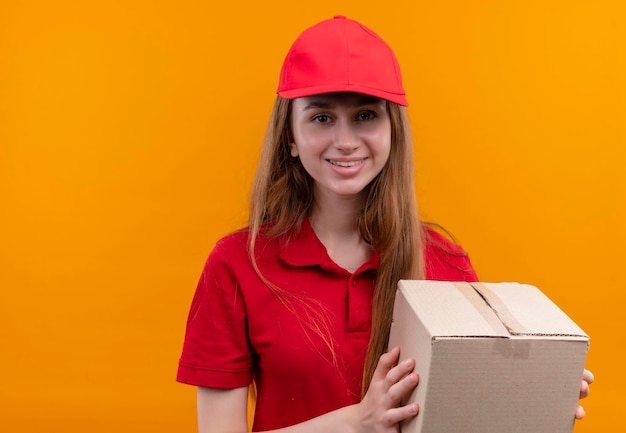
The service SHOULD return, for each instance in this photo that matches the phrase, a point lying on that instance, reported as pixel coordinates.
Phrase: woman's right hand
(379, 411)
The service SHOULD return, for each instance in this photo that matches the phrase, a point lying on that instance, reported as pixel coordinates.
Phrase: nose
(346, 137)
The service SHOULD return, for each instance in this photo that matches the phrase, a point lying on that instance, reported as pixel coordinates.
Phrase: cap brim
(398, 98)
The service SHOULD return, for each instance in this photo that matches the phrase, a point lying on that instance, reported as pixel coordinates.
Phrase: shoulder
(235, 246)
(233, 241)
(444, 259)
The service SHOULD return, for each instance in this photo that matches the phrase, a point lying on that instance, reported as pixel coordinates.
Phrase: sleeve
(216, 352)
(445, 260)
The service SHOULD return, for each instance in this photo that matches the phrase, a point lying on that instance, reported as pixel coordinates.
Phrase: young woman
(300, 302)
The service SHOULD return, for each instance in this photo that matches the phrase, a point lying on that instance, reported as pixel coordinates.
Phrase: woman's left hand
(584, 392)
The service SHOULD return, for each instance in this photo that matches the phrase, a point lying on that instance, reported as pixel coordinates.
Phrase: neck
(334, 220)
(335, 217)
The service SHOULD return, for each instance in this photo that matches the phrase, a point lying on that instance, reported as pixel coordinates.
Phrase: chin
(349, 192)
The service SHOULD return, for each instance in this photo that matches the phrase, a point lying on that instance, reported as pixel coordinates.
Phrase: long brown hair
(282, 194)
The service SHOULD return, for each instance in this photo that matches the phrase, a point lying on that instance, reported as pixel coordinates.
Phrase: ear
(293, 149)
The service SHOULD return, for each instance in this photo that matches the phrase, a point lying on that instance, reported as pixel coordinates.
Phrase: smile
(346, 163)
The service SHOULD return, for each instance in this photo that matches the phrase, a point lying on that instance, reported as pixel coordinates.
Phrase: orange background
(129, 133)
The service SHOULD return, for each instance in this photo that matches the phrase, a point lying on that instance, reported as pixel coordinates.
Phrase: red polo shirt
(238, 329)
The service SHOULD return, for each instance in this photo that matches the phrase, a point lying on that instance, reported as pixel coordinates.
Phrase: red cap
(341, 55)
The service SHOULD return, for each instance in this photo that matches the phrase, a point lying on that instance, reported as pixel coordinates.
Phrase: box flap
(524, 310)
(451, 309)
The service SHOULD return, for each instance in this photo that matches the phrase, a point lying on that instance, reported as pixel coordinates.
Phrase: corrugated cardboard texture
(475, 375)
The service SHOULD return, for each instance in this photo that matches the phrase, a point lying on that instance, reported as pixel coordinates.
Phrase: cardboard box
(492, 357)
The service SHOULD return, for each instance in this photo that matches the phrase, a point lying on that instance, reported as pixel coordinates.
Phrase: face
(342, 139)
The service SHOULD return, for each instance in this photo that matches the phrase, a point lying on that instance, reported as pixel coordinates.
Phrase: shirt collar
(303, 248)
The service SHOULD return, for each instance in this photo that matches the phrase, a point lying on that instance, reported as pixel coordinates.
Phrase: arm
(224, 411)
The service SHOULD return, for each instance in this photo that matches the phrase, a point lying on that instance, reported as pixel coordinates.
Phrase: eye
(321, 118)
(366, 115)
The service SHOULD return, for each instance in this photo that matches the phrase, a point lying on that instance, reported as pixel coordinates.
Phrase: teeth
(346, 163)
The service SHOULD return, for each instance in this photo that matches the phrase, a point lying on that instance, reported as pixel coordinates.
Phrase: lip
(347, 167)
(346, 163)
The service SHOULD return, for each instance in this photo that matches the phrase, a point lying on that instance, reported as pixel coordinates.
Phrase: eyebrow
(325, 103)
